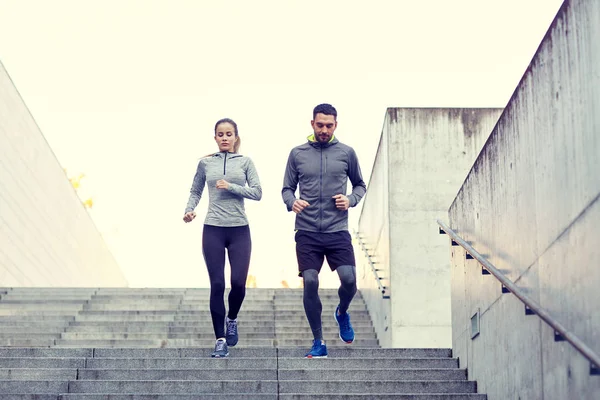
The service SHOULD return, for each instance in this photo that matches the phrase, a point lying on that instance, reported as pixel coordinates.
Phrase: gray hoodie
(225, 206)
(322, 170)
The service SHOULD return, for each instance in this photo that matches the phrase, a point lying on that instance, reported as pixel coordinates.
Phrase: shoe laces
(231, 327)
(344, 321)
(316, 344)
(220, 346)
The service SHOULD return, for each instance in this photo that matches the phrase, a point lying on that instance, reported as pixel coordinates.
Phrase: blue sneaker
(346, 331)
(319, 350)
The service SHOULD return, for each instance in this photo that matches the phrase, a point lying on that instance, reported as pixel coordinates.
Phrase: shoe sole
(311, 357)
(218, 356)
(338, 324)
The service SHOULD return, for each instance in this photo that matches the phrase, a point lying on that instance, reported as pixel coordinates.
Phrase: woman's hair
(238, 141)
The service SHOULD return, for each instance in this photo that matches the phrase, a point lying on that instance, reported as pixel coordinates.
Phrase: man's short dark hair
(326, 109)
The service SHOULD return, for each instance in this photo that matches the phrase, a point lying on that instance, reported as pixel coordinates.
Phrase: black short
(313, 247)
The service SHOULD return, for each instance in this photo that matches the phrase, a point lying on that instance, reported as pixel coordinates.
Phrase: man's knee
(347, 276)
(311, 279)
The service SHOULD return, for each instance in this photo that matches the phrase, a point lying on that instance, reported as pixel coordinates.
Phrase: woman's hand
(189, 216)
(222, 184)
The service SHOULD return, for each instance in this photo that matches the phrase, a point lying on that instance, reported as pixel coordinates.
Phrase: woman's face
(225, 136)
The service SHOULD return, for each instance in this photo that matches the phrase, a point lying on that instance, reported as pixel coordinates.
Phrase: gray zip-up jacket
(322, 171)
(225, 206)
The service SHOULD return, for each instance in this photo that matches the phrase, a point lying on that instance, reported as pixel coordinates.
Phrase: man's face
(323, 126)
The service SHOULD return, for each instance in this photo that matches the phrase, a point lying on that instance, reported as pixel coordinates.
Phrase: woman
(225, 227)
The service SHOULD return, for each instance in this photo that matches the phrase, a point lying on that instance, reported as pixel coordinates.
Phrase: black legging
(236, 239)
(312, 302)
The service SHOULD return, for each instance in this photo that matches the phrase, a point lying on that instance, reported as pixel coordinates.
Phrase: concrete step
(35, 329)
(193, 324)
(51, 373)
(41, 362)
(203, 396)
(34, 386)
(351, 351)
(375, 387)
(29, 396)
(209, 374)
(188, 363)
(18, 320)
(209, 342)
(384, 396)
(18, 342)
(322, 374)
(244, 328)
(38, 312)
(266, 397)
(332, 363)
(29, 336)
(44, 352)
(172, 387)
(41, 302)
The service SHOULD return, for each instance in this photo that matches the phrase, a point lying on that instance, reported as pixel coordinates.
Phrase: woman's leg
(213, 249)
(239, 248)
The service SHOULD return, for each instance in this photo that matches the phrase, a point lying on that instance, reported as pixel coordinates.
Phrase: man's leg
(347, 290)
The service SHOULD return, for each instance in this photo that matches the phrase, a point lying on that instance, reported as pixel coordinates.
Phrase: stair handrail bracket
(577, 343)
(384, 291)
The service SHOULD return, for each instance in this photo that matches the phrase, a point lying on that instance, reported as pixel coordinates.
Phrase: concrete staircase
(142, 344)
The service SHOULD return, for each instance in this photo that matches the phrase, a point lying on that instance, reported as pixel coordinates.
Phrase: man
(322, 167)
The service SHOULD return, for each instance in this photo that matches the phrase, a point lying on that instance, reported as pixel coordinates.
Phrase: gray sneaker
(220, 349)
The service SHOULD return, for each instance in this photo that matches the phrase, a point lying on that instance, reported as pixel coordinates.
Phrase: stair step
(172, 387)
(203, 396)
(377, 386)
(209, 374)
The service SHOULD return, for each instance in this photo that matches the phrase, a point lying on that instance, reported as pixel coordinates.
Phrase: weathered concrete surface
(47, 237)
(530, 204)
(423, 157)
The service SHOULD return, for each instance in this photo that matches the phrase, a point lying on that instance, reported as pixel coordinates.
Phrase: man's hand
(299, 205)
(222, 184)
(341, 202)
(189, 217)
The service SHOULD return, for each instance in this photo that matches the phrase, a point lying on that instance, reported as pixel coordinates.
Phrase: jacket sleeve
(358, 185)
(290, 182)
(197, 187)
(253, 191)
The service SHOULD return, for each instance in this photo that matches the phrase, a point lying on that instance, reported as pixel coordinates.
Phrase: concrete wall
(374, 229)
(423, 157)
(530, 204)
(46, 236)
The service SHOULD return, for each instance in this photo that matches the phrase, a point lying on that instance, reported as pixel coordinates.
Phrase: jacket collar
(313, 142)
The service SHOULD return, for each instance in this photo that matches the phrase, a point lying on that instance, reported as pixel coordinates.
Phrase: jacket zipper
(225, 164)
(321, 195)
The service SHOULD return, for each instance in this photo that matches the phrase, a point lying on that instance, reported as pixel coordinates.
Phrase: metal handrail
(381, 288)
(577, 343)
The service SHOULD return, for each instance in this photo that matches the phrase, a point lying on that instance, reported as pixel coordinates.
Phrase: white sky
(128, 92)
